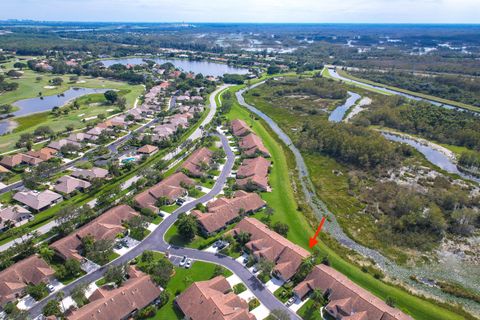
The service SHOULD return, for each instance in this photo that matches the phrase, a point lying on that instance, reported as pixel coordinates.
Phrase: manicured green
(181, 280)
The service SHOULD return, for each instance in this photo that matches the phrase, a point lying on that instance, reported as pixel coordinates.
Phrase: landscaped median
(283, 200)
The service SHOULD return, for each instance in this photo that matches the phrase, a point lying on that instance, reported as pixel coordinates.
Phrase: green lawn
(283, 201)
(308, 313)
(90, 106)
(182, 279)
(170, 208)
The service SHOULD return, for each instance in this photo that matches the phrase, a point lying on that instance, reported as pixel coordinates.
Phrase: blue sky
(371, 11)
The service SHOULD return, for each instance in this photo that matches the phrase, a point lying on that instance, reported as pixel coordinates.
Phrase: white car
(188, 264)
(50, 288)
(184, 260)
(290, 301)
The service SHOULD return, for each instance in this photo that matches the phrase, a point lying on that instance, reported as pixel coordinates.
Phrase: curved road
(155, 241)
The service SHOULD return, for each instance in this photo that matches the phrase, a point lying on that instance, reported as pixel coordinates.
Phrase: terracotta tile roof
(37, 200)
(347, 300)
(136, 293)
(19, 158)
(251, 144)
(170, 187)
(255, 171)
(68, 184)
(15, 278)
(43, 154)
(193, 163)
(147, 149)
(267, 244)
(239, 128)
(213, 300)
(223, 211)
(105, 227)
(90, 174)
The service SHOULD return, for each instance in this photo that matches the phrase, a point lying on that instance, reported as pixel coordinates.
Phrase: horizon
(249, 11)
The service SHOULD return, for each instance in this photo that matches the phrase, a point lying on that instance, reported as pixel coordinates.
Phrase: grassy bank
(282, 199)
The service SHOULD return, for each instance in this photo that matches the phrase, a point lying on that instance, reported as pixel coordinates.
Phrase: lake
(204, 67)
(35, 105)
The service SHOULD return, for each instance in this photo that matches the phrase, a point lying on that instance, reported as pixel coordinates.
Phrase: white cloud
(427, 11)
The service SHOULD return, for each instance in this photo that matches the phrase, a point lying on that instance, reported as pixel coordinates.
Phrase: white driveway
(233, 280)
(273, 284)
(298, 304)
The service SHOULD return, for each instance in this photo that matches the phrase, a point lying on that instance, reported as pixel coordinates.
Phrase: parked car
(183, 261)
(255, 269)
(290, 301)
(50, 288)
(188, 264)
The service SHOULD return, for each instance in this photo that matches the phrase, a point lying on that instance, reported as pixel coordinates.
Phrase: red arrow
(313, 240)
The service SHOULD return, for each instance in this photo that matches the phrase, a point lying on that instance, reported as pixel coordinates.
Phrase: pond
(47, 103)
(436, 157)
(204, 67)
(338, 114)
(34, 105)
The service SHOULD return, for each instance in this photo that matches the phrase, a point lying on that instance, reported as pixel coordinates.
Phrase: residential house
(43, 154)
(239, 128)
(119, 303)
(13, 216)
(81, 137)
(251, 145)
(18, 159)
(15, 279)
(267, 244)
(90, 174)
(212, 299)
(169, 189)
(38, 200)
(68, 184)
(223, 211)
(346, 299)
(96, 131)
(57, 145)
(197, 162)
(147, 149)
(105, 227)
(253, 173)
